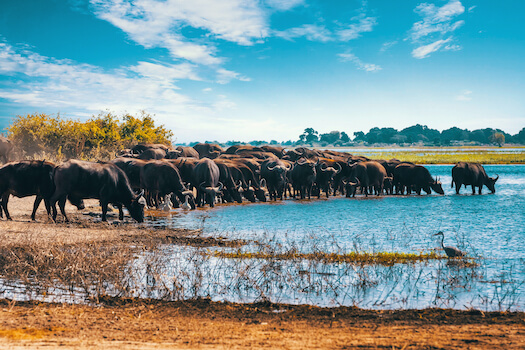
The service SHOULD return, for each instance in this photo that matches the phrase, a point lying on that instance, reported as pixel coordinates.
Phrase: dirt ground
(148, 324)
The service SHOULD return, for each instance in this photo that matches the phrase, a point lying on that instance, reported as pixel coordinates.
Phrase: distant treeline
(417, 134)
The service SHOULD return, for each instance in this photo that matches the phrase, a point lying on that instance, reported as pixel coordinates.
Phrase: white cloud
(224, 76)
(312, 32)
(465, 95)
(350, 57)
(425, 50)
(386, 46)
(437, 22)
(155, 23)
(88, 89)
(362, 24)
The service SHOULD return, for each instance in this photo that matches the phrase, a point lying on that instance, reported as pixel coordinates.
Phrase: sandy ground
(147, 324)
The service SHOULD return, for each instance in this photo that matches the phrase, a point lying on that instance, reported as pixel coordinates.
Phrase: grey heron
(451, 252)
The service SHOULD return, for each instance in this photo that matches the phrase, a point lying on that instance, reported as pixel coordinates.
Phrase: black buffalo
(303, 177)
(28, 178)
(188, 152)
(326, 170)
(103, 181)
(160, 178)
(208, 150)
(473, 174)
(273, 171)
(233, 189)
(415, 177)
(368, 174)
(206, 176)
(131, 168)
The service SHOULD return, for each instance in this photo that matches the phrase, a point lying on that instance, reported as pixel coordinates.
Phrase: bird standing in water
(451, 252)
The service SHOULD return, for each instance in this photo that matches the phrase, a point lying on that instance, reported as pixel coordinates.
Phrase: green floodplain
(444, 155)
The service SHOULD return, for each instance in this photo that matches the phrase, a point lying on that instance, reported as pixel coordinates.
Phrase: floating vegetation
(381, 258)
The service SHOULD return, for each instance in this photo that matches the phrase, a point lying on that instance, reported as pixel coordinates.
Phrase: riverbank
(146, 324)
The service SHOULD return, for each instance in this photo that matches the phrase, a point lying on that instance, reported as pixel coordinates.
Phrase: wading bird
(451, 252)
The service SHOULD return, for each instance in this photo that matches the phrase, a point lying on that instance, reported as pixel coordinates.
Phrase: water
(490, 227)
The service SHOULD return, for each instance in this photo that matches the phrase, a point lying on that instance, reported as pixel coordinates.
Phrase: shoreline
(201, 323)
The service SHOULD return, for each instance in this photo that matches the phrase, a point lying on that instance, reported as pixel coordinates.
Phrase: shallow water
(490, 227)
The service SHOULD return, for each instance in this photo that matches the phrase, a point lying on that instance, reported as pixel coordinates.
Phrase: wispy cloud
(388, 45)
(465, 95)
(434, 30)
(224, 76)
(426, 50)
(47, 82)
(359, 24)
(311, 32)
(155, 23)
(350, 57)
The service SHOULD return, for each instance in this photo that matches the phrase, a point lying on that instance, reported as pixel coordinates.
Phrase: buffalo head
(437, 187)
(136, 207)
(491, 182)
(211, 193)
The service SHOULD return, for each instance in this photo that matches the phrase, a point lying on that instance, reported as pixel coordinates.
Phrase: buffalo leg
(473, 189)
(62, 206)
(104, 206)
(38, 199)
(458, 187)
(120, 211)
(5, 199)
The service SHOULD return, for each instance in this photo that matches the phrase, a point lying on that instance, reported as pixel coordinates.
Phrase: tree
(454, 134)
(344, 137)
(498, 138)
(520, 137)
(359, 136)
(309, 136)
(330, 138)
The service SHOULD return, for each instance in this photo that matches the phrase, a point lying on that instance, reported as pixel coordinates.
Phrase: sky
(267, 69)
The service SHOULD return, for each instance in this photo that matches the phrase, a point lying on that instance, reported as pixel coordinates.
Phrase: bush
(100, 137)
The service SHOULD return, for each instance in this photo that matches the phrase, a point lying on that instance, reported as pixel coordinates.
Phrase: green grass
(452, 157)
(380, 258)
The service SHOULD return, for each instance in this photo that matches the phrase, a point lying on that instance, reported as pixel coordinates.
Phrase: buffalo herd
(161, 176)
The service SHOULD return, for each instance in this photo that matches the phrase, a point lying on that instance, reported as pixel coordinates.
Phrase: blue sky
(267, 69)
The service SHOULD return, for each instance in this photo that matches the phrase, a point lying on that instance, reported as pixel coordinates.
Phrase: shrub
(100, 137)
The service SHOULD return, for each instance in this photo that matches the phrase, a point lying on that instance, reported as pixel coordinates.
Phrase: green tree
(330, 138)
(359, 136)
(309, 136)
(344, 137)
